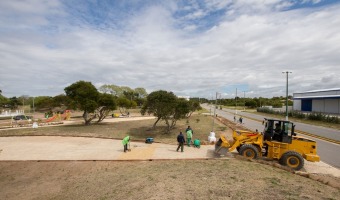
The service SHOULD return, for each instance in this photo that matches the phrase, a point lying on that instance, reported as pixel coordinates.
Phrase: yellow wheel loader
(277, 141)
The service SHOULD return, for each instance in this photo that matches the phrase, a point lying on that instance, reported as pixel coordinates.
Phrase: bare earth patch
(223, 178)
(202, 179)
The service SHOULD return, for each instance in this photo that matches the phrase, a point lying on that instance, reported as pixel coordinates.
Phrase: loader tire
(249, 151)
(292, 159)
(238, 148)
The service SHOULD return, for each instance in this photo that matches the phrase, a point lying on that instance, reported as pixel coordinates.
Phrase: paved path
(82, 148)
(58, 148)
(328, 152)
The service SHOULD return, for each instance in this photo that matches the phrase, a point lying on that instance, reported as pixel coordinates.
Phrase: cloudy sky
(192, 48)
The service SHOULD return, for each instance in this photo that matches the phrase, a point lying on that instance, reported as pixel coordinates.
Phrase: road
(327, 151)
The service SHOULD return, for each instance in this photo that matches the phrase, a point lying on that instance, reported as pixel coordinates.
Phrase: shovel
(129, 148)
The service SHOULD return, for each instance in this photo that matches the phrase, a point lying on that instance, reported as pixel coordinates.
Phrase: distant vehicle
(22, 117)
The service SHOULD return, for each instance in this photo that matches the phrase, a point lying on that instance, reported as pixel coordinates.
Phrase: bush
(316, 116)
(297, 114)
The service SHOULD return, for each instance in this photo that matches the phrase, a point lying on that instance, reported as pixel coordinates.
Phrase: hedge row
(311, 116)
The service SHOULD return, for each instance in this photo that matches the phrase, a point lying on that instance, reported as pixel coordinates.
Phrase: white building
(324, 101)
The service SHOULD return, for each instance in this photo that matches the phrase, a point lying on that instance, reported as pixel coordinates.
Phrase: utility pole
(23, 103)
(33, 106)
(287, 72)
(214, 113)
(236, 102)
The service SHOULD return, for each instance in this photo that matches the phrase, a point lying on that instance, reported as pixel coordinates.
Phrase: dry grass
(138, 130)
(191, 179)
(176, 179)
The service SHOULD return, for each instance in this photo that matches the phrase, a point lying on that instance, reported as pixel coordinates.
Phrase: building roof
(324, 90)
(333, 93)
(319, 97)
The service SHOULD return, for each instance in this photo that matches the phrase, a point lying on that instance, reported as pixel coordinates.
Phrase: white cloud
(244, 49)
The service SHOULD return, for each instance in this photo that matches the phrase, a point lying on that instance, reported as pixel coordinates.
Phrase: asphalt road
(327, 151)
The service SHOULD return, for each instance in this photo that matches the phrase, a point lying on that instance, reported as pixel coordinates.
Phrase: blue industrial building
(323, 101)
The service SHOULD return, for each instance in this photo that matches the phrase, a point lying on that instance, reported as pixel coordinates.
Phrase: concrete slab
(82, 148)
(54, 148)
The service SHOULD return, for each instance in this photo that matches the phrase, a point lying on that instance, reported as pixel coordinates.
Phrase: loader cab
(278, 130)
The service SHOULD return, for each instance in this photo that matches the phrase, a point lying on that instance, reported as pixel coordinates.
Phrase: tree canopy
(84, 96)
(106, 104)
(166, 106)
(137, 95)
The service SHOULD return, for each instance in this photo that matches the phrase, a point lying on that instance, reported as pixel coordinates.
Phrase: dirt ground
(181, 179)
(224, 178)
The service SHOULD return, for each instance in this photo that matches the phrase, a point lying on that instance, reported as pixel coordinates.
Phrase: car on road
(22, 117)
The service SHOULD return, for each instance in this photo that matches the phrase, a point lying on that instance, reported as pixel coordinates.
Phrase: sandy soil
(224, 178)
(190, 179)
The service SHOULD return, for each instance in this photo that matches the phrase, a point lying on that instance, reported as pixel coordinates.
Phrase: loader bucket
(222, 146)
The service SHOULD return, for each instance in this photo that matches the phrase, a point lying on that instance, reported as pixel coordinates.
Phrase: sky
(193, 48)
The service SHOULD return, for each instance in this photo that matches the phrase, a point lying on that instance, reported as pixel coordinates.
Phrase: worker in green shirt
(189, 136)
(197, 143)
(125, 142)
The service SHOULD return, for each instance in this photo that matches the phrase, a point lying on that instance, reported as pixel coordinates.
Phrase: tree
(60, 100)
(137, 95)
(251, 103)
(43, 102)
(161, 104)
(124, 104)
(193, 106)
(166, 106)
(4, 102)
(84, 96)
(112, 89)
(141, 92)
(107, 103)
(181, 109)
(13, 102)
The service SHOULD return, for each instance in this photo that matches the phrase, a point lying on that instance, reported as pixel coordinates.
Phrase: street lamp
(236, 102)
(287, 72)
(214, 112)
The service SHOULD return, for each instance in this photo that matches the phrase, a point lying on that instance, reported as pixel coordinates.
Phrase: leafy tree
(161, 104)
(13, 102)
(193, 106)
(112, 89)
(141, 92)
(60, 100)
(181, 109)
(84, 96)
(43, 102)
(129, 95)
(107, 103)
(137, 95)
(251, 103)
(4, 101)
(124, 104)
(166, 106)
(24, 100)
(276, 103)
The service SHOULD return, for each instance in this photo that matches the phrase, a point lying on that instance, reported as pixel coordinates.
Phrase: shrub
(316, 116)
